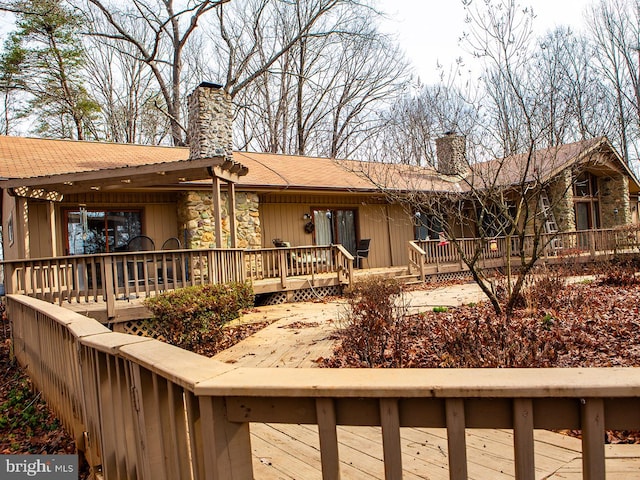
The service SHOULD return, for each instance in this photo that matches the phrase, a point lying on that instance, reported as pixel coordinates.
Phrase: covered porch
(110, 287)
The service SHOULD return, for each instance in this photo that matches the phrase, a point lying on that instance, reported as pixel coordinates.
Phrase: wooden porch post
(233, 228)
(217, 210)
(51, 217)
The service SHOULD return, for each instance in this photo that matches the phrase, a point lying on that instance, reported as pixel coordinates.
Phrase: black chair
(141, 243)
(172, 243)
(362, 251)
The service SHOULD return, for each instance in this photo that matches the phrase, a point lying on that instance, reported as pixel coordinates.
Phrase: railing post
(456, 439)
(283, 268)
(326, 419)
(523, 438)
(109, 287)
(10, 280)
(226, 445)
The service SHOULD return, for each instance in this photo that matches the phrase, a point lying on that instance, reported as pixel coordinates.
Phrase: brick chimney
(210, 122)
(451, 152)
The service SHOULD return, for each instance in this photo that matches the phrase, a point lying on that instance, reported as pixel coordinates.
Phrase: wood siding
(160, 222)
(40, 244)
(388, 226)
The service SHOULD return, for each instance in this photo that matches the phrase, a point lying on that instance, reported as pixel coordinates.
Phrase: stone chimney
(210, 122)
(451, 152)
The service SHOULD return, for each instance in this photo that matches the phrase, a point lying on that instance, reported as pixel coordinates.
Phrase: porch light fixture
(306, 216)
(68, 183)
(95, 187)
(493, 245)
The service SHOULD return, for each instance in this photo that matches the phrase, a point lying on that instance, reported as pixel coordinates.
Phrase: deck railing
(589, 243)
(107, 276)
(286, 262)
(143, 409)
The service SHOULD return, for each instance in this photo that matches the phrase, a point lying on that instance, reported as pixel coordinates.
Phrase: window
(100, 231)
(586, 204)
(427, 226)
(585, 185)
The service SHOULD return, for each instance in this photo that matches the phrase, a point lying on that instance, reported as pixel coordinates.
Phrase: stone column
(451, 152)
(560, 193)
(194, 214)
(615, 208)
(210, 136)
(210, 122)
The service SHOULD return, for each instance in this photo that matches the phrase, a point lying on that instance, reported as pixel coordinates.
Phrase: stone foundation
(195, 215)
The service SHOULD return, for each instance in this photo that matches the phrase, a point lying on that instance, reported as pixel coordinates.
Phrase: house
(62, 197)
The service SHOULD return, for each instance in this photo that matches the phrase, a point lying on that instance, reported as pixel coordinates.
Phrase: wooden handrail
(107, 276)
(148, 408)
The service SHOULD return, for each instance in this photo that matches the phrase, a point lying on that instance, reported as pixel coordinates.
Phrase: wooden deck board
(292, 452)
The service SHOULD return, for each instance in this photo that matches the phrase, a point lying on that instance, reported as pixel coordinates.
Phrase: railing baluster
(523, 438)
(456, 441)
(592, 416)
(326, 418)
(226, 445)
(390, 423)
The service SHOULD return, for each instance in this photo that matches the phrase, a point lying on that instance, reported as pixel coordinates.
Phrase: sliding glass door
(100, 231)
(335, 226)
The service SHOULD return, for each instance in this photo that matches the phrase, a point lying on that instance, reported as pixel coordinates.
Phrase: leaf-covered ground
(590, 324)
(26, 423)
(587, 325)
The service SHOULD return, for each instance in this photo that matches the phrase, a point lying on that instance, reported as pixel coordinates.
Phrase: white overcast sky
(428, 30)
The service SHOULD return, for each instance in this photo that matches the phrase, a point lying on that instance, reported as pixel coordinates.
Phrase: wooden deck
(292, 452)
(301, 334)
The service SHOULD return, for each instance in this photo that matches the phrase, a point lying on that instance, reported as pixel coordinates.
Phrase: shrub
(619, 272)
(374, 331)
(193, 316)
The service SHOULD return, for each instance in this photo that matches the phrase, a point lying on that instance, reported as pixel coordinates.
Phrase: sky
(428, 30)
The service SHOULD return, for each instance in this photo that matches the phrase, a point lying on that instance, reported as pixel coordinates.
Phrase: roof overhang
(52, 187)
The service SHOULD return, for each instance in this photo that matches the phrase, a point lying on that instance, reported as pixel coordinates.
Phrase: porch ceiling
(155, 174)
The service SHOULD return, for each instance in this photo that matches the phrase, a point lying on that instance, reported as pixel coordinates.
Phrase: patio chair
(141, 243)
(172, 243)
(362, 251)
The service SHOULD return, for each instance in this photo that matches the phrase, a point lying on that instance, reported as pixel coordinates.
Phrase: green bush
(194, 316)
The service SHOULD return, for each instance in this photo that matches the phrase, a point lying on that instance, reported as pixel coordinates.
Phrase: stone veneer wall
(210, 123)
(560, 193)
(451, 152)
(614, 195)
(195, 214)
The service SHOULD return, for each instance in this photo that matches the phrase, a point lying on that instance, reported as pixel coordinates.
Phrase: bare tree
(157, 32)
(124, 88)
(615, 27)
(316, 69)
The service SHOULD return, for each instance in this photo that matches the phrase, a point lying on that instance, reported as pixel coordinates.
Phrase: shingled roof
(30, 158)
